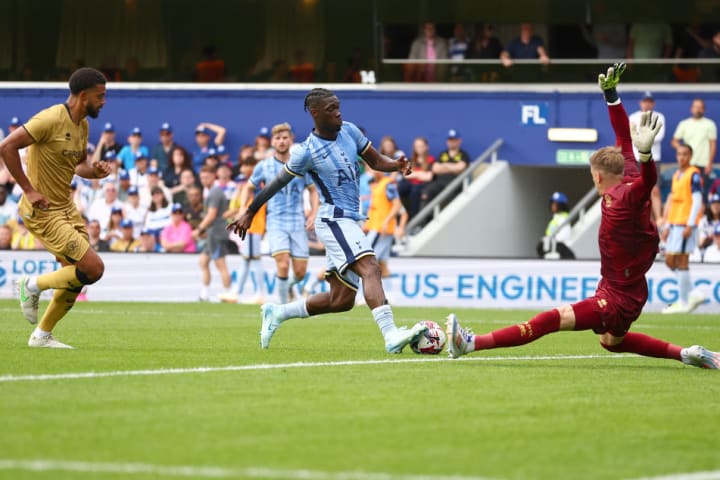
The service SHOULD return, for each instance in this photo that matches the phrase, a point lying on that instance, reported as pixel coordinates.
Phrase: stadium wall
(451, 283)
(520, 114)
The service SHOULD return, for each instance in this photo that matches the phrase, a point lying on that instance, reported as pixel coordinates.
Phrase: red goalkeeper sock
(539, 325)
(645, 345)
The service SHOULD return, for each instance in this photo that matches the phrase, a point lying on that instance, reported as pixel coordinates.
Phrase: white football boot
(270, 323)
(45, 342)
(701, 357)
(458, 337)
(397, 340)
(28, 301)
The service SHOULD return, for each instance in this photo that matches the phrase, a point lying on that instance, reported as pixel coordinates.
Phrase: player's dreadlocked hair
(315, 95)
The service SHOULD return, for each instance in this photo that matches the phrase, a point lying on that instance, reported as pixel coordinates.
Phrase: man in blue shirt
(330, 156)
(286, 222)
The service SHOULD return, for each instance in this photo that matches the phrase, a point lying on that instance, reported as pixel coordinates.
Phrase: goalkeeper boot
(270, 322)
(397, 340)
(28, 301)
(698, 356)
(458, 337)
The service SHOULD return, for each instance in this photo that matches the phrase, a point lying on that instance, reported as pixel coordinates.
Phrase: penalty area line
(211, 471)
(276, 366)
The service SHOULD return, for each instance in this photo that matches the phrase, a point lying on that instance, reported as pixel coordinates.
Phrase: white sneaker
(270, 323)
(458, 337)
(695, 300)
(228, 297)
(46, 342)
(677, 307)
(396, 341)
(28, 301)
(698, 356)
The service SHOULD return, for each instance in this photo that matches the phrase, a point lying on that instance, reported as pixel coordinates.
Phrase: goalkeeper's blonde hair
(608, 160)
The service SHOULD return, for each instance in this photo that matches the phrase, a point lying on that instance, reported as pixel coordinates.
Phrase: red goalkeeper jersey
(628, 239)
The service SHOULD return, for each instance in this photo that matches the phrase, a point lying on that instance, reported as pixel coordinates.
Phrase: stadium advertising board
(474, 283)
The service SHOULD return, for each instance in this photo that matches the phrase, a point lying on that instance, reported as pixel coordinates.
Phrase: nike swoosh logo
(23, 297)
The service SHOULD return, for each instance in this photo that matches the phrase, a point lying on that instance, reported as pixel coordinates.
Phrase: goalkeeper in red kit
(628, 243)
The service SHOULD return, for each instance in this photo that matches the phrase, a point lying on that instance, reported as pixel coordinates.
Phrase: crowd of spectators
(523, 42)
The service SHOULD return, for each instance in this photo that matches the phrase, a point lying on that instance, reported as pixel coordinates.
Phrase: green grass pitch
(560, 408)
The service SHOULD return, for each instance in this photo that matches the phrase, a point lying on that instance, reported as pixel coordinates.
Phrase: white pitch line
(211, 472)
(275, 366)
(709, 475)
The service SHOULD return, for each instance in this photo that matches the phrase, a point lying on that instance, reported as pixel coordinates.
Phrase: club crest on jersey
(608, 201)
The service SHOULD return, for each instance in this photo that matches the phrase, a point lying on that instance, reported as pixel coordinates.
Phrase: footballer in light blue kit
(330, 157)
(286, 223)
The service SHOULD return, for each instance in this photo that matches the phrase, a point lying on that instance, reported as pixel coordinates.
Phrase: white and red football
(432, 341)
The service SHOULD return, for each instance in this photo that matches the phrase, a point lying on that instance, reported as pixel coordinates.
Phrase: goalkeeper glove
(609, 81)
(643, 135)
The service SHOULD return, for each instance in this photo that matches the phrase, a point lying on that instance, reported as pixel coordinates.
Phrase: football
(432, 342)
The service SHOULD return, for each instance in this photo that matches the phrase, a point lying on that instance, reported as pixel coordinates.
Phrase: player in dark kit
(628, 243)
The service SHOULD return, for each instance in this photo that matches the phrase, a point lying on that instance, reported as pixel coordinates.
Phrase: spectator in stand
(113, 230)
(177, 236)
(130, 152)
(6, 237)
(127, 243)
(124, 185)
(223, 155)
(485, 46)
(712, 252)
(700, 133)
(689, 41)
(102, 206)
(202, 139)
(194, 208)
(180, 192)
(649, 40)
(449, 164)
(709, 222)
(457, 50)
(411, 186)
(302, 70)
(609, 39)
(711, 72)
(160, 155)
(108, 142)
(115, 169)
(139, 173)
(224, 180)
(6, 234)
(148, 243)
(153, 180)
(8, 207)
(427, 46)
(158, 216)
(22, 239)
(388, 146)
(134, 210)
(245, 152)
(96, 242)
(559, 208)
(180, 160)
(210, 69)
(262, 148)
(526, 46)
(647, 104)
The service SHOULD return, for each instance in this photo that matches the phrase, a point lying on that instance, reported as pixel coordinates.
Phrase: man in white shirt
(700, 133)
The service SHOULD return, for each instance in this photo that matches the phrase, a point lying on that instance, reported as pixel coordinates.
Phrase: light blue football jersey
(285, 210)
(333, 168)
